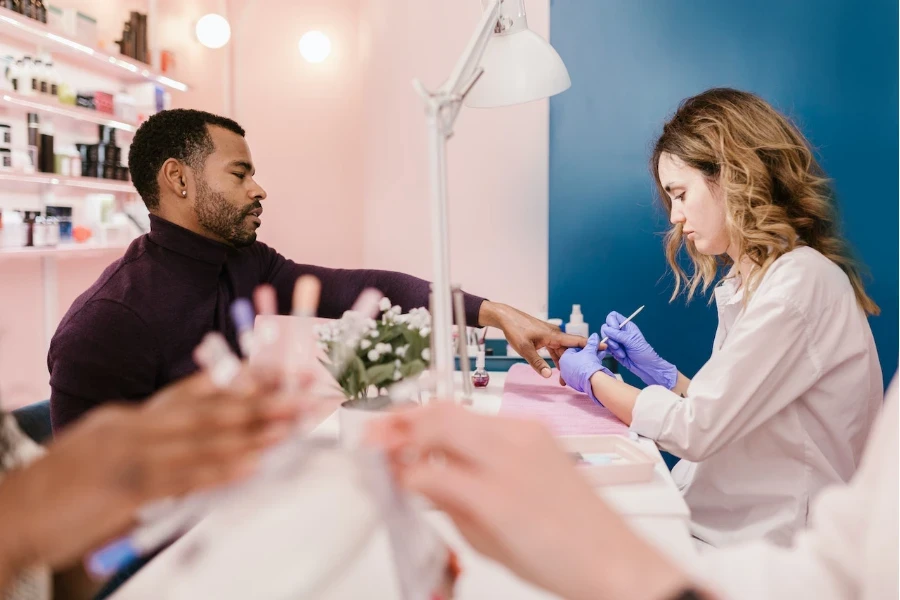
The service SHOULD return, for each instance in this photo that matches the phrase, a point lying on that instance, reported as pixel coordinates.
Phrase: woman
(57, 505)
(785, 403)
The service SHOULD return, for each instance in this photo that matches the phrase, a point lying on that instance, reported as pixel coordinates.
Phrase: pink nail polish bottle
(480, 377)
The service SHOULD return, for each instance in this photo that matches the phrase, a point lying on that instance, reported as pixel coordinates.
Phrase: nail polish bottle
(480, 377)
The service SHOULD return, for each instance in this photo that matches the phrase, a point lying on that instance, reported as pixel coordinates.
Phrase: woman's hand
(578, 366)
(629, 347)
(518, 498)
(86, 489)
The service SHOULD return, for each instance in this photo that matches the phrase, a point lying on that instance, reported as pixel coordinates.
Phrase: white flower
(401, 351)
(383, 348)
(396, 310)
(322, 346)
(373, 355)
(425, 331)
(426, 355)
(365, 344)
(373, 334)
(384, 304)
(397, 375)
(397, 364)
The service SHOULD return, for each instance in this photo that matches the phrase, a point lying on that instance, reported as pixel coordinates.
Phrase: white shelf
(88, 183)
(42, 104)
(65, 250)
(14, 25)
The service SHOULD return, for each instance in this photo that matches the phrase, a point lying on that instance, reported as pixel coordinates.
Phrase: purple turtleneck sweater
(135, 329)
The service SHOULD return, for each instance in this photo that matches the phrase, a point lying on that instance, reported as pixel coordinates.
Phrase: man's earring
(184, 193)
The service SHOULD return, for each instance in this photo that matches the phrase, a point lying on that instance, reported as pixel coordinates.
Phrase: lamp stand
(441, 109)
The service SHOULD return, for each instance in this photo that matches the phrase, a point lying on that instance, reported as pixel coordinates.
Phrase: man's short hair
(182, 134)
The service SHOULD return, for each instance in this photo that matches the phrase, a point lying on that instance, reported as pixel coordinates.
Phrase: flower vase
(354, 415)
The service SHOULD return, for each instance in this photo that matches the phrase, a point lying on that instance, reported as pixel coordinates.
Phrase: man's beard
(223, 219)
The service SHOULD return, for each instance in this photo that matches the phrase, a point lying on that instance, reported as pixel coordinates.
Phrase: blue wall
(831, 65)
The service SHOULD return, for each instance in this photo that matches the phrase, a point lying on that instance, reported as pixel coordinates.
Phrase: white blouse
(782, 408)
(849, 552)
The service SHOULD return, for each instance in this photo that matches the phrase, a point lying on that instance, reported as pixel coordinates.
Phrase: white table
(654, 509)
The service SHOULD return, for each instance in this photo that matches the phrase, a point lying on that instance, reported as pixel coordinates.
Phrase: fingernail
(545, 372)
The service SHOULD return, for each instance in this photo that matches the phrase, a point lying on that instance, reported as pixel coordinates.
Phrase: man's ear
(174, 178)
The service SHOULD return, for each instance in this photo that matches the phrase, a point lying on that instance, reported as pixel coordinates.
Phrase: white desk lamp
(511, 65)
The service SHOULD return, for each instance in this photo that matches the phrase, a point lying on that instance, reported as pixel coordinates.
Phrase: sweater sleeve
(341, 287)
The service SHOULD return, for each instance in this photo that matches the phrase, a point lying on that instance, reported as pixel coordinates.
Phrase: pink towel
(567, 412)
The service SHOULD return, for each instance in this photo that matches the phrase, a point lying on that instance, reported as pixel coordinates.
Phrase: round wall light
(213, 31)
(315, 46)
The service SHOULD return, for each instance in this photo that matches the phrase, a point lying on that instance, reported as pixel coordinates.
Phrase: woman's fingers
(614, 319)
(444, 428)
(453, 486)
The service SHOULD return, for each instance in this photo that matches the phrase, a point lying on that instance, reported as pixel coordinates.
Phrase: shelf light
(177, 85)
(97, 185)
(70, 43)
(72, 114)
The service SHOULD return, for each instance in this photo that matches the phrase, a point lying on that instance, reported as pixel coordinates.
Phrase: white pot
(353, 417)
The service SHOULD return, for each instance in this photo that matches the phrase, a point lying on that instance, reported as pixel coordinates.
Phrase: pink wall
(22, 380)
(340, 148)
(498, 159)
(303, 125)
(200, 67)
(23, 353)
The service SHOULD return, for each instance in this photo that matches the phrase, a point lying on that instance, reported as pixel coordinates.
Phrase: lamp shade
(518, 67)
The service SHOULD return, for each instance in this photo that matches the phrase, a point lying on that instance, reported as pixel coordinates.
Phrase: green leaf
(358, 366)
(409, 335)
(412, 369)
(379, 375)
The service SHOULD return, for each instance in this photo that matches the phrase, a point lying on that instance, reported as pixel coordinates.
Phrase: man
(133, 331)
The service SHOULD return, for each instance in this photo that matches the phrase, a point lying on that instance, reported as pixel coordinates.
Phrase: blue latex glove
(577, 365)
(629, 347)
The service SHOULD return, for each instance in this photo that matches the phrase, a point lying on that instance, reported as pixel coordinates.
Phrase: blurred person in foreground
(517, 498)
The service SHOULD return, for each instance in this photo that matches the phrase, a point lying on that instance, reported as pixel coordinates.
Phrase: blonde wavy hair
(776, 195)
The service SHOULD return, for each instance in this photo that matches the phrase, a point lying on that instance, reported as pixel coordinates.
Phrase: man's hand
(527, 335)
